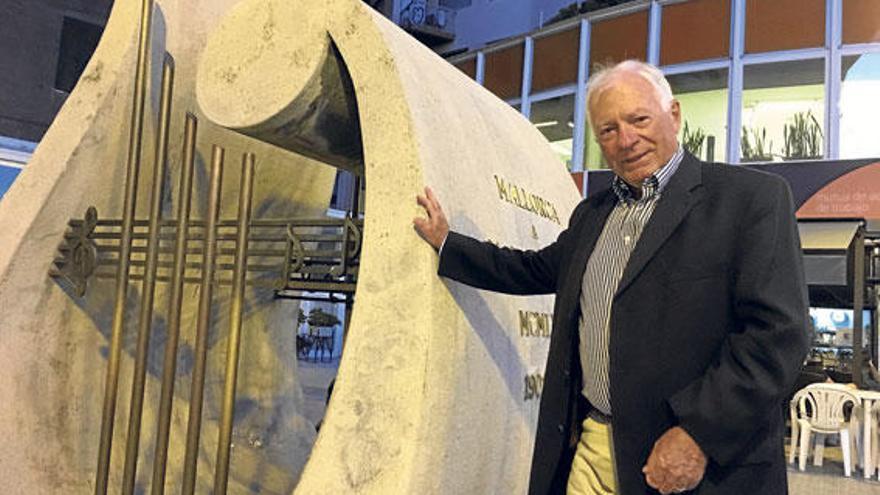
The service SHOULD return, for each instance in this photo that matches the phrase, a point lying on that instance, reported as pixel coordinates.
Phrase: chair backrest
(824, 406)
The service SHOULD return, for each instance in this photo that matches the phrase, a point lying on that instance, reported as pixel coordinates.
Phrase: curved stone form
(321, 121)
(437, 388)
(53, 344)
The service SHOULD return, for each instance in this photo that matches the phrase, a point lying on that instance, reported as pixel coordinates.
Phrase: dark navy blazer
(708, 327)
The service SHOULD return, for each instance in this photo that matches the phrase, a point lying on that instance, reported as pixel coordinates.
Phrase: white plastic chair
(821, 409)
(875, 439)
(855, 429)
(795, 425)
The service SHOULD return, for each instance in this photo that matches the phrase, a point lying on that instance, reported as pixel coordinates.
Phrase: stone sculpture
(438, 388)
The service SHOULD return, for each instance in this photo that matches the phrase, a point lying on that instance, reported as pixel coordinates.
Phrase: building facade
(757, 80)
(44, 47)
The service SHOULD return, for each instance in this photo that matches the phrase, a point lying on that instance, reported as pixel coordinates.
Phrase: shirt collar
(651, 186)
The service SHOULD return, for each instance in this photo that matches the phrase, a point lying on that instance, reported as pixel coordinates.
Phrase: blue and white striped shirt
(604, 271)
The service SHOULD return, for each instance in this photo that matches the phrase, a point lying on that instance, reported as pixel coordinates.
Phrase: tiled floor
(825, 480)
(818, 483)
(315, 378)
(829, 478)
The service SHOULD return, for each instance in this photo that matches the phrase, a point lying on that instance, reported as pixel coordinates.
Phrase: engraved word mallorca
(534, 324)
(527, 201)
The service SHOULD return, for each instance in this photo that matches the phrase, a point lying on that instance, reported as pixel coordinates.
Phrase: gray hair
(601, 79)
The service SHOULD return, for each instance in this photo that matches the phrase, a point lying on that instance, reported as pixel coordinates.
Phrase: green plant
(803, 137)
(755, 145)
(692, 140)
(581, 7)
(319, 319)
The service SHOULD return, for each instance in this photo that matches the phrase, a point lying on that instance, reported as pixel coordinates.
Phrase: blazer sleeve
(500, 269)
(758, 363)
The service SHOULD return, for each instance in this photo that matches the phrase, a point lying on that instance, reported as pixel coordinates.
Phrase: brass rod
(111, 384)
(175, 304)
(197, 391)
(257, 222)
(322, 269)
(148, 289)
(222, 237)
(341, 287)
(220, 266)
(221, 467)
(194, 251)
(281, 236)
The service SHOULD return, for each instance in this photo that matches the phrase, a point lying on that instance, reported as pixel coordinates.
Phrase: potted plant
(323, 341)
(803, 137)
(755, 145)
(692, 140)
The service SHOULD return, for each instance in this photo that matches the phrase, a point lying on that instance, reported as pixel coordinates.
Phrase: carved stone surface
(438, 387)
(53, 345)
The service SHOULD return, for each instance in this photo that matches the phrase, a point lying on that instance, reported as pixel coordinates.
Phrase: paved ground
(315, 377)
(812, 482)
(828, 479)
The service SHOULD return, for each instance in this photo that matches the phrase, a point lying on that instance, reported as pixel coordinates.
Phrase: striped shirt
(604, 270)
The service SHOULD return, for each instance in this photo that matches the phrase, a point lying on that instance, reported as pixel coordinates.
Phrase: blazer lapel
(586, 234)
(676, 200)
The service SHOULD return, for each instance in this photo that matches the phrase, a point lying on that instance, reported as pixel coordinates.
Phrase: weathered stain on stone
(94, 75)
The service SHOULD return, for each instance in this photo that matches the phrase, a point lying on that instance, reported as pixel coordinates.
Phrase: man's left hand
(676, 463)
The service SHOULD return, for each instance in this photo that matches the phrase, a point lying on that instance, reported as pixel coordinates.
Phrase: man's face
(637, 135)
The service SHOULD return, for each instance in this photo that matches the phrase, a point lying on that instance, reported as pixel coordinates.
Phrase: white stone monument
(438, 387)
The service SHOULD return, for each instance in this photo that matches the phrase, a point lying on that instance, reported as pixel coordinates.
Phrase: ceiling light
(548, 123)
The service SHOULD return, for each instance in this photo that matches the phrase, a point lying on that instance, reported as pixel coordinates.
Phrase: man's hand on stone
(676, 463)
(434, 228)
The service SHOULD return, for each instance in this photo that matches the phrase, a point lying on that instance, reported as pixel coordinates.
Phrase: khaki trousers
(592, 471)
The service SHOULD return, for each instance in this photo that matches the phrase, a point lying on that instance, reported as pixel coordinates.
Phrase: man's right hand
(434, 228)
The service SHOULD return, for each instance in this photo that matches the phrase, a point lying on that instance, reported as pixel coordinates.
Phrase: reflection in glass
(593, 159)
(553, 117)
(783, 111)
(859, 106)
(703, 99)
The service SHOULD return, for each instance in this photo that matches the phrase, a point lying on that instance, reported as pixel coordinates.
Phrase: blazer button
(560, 427)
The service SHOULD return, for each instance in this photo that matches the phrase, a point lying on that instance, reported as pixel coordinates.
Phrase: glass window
(859, 106)
(7, 177)
(593, 159)
(783, 111)
(703, 98)
(553, 117)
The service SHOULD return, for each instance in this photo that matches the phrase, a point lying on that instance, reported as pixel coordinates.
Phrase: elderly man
(680, 316)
